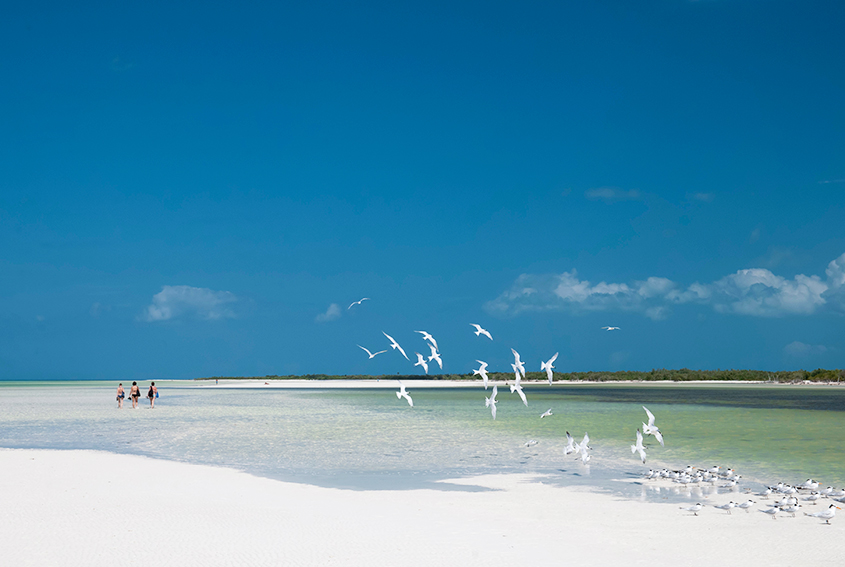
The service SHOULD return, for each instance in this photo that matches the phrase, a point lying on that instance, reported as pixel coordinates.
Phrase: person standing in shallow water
(135, 394)
(152, 394)
(120, 395)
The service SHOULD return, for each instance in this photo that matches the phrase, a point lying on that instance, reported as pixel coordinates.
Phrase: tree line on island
(820, 375)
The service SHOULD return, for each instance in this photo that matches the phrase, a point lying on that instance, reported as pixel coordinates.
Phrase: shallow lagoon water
(367, 438)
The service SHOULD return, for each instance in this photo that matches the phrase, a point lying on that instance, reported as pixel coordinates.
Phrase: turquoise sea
(367, 438)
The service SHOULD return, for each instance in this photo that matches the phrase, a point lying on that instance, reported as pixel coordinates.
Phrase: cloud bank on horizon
(756, 292)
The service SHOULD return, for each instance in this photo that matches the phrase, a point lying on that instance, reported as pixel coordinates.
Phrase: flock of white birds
(788, 494)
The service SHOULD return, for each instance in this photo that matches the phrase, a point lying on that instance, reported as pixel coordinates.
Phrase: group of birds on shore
(786, 496)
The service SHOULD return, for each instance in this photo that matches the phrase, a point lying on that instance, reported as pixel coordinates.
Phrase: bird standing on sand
(394, 345)
(372, 354)
(421, 362)
(492, 401)
(403, 393)
(730, 505)
(480, 331)
(695, 508)
(826, 515)
(481, 372)
(548, 366)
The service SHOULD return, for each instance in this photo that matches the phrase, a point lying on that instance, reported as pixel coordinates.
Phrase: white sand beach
(95, 508)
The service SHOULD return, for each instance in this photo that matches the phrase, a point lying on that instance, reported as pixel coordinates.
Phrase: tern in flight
(518, 363)
(651, 429)
(421, 362)
(427, 337)
(570, 445)
(611, 328)
(480, 331)
(584, 447)
(546, 413)
(492, 401)
(481, 372)
(638, 448)
(516, 386)
(403, 393)
(394, 345)
(435, 356)
(548, 366)
(357, 302)
(826, 515)
(372, 354)
(695, 509)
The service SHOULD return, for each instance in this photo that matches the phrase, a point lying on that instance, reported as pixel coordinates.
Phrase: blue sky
(187, 190)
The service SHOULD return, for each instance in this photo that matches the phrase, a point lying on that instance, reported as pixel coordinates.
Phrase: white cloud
(756, 292)
(612, 194)
(799, 349)
(332, 313)
(175, 301)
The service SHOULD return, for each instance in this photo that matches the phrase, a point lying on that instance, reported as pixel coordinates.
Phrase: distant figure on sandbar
(135, 394)
(120, 395)
(152, 394)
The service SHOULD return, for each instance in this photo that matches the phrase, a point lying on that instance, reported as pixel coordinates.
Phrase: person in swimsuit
(135, 394)
(152, 394)
(120, 395)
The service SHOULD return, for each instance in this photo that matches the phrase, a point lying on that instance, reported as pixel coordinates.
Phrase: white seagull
(570, 445)
(492, 401)
(583, 447)
(518, 363)
(481, 372)
(651, 429)
(611, 328)
(358, 302)
(403, 393)
(372, 354)
(427, 337)
(826, 515)
(394, 345)
(421, 362)
(480, 331)
(695, 509)
(638, 448)
(435, 356)
(516, 386)
(546, 413)
(547, 366)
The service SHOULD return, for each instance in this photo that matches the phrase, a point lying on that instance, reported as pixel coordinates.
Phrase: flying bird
(546, 413)
(492, 401)
(421, 362)
(651, 429)
(611, 328)
(583, 447)
(548, 366)
(403, 393)
(394, 345)
(372, 354)
(518, 363)
(481, 372)
(427, 337)
(638, 448)
(516, 386)
(435, 356)
(480, 331)
(570, 445)
(357, 302)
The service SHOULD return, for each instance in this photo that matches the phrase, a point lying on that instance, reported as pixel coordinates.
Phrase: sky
(194, 189)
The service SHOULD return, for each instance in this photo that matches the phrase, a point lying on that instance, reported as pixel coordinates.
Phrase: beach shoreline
(97, 508)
